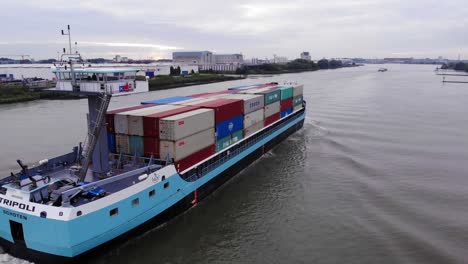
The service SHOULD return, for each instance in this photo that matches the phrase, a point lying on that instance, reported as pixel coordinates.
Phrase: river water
(377, 175)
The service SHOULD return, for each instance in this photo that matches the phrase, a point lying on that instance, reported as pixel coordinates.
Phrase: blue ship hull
(48, 240)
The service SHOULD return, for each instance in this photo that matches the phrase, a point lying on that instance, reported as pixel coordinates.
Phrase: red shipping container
(110, 115)
(224, 108)
(286, 104)
(151, 146)
(271, 119)
(151, 122)
(196, 157)
(210, 94)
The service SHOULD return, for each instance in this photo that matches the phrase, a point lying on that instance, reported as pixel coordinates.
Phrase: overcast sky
(326, 28)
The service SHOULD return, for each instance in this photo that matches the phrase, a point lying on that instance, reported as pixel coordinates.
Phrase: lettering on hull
(14, 204)
(20, 216)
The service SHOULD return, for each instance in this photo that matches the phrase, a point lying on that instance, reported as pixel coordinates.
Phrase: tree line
(297, 65)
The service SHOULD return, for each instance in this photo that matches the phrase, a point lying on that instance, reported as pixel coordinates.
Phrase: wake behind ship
(141, 165)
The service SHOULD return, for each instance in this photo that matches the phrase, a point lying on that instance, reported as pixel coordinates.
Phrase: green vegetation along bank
(459, 66)
(297, 65)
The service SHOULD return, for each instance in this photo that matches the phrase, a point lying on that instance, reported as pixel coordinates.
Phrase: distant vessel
(383, 70)
(139, 166)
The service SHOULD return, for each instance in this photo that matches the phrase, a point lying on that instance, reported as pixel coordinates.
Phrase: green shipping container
(271, 96)
(136, 145)
(297, 100)
(236, 136)
(223, 143)
(286, 92)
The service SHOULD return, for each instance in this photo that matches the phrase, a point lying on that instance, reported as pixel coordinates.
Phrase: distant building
(236, 59)
(305, 56)
(280, 60)
(193, 57)
(117, 58)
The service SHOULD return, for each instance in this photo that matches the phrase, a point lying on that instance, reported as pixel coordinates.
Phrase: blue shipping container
(184, 73)
(227, 127)
(168, 100)
(286, 112)
(150, 74)
(111, 143)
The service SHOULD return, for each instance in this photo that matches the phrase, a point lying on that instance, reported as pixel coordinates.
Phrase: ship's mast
(95, 149)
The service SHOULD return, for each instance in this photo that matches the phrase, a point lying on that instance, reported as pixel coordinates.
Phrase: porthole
(114, 212)
(135, 202)
(152, 193)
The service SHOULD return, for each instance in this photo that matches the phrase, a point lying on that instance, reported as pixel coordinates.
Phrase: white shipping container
(184, 147)
(254, 117)
(121, 120)
(297, 107)
(122, 143)
(254, 91)
(252, 102)
(272, 109)
(253, 128)
(135, 120)
(186, 124)
(298, 90)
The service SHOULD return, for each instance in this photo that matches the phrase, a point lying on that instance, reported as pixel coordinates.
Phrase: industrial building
(193, 57)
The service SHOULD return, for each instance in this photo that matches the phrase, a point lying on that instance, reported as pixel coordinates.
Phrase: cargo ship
(139, 166)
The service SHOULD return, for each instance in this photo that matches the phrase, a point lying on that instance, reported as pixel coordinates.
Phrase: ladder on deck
(93, 135)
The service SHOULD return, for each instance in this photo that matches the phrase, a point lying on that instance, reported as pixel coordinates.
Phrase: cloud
(257, 28)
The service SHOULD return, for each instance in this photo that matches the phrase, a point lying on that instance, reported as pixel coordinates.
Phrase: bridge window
(152, 193)
(114, 212)
(79, 213)
(135, 202)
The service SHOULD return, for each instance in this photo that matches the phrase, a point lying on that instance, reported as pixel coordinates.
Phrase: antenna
(69, 38)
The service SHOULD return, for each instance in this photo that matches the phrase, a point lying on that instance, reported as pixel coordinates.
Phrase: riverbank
(22, 93)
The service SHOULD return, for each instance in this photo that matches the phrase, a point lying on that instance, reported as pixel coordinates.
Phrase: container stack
(286, 102)
(298, 97)
(190, 129)
(187, 138)
(271, 97)
(133, 136)
(229, 119)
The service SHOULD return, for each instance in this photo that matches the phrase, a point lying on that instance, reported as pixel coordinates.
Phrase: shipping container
(195, 158)
(286, 92)
(271, 119)
(252, 102)
(223, 143)
(182, 125)
(136, 122)
(297, 100)
(121, 119)
(286, 112)
(244, 87)
(111, 142)
(254, 117)
(297, 107)
(224, 108)
(286, 104)
(272, 109)
(271, 95)
(136, 145)
(167, 100)
(298, 90)
(237, 136)
(226, 127)
(182, 148)
(151, 147)
(252, 129)
(110, 115)
(122, 144)
(151, 122)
